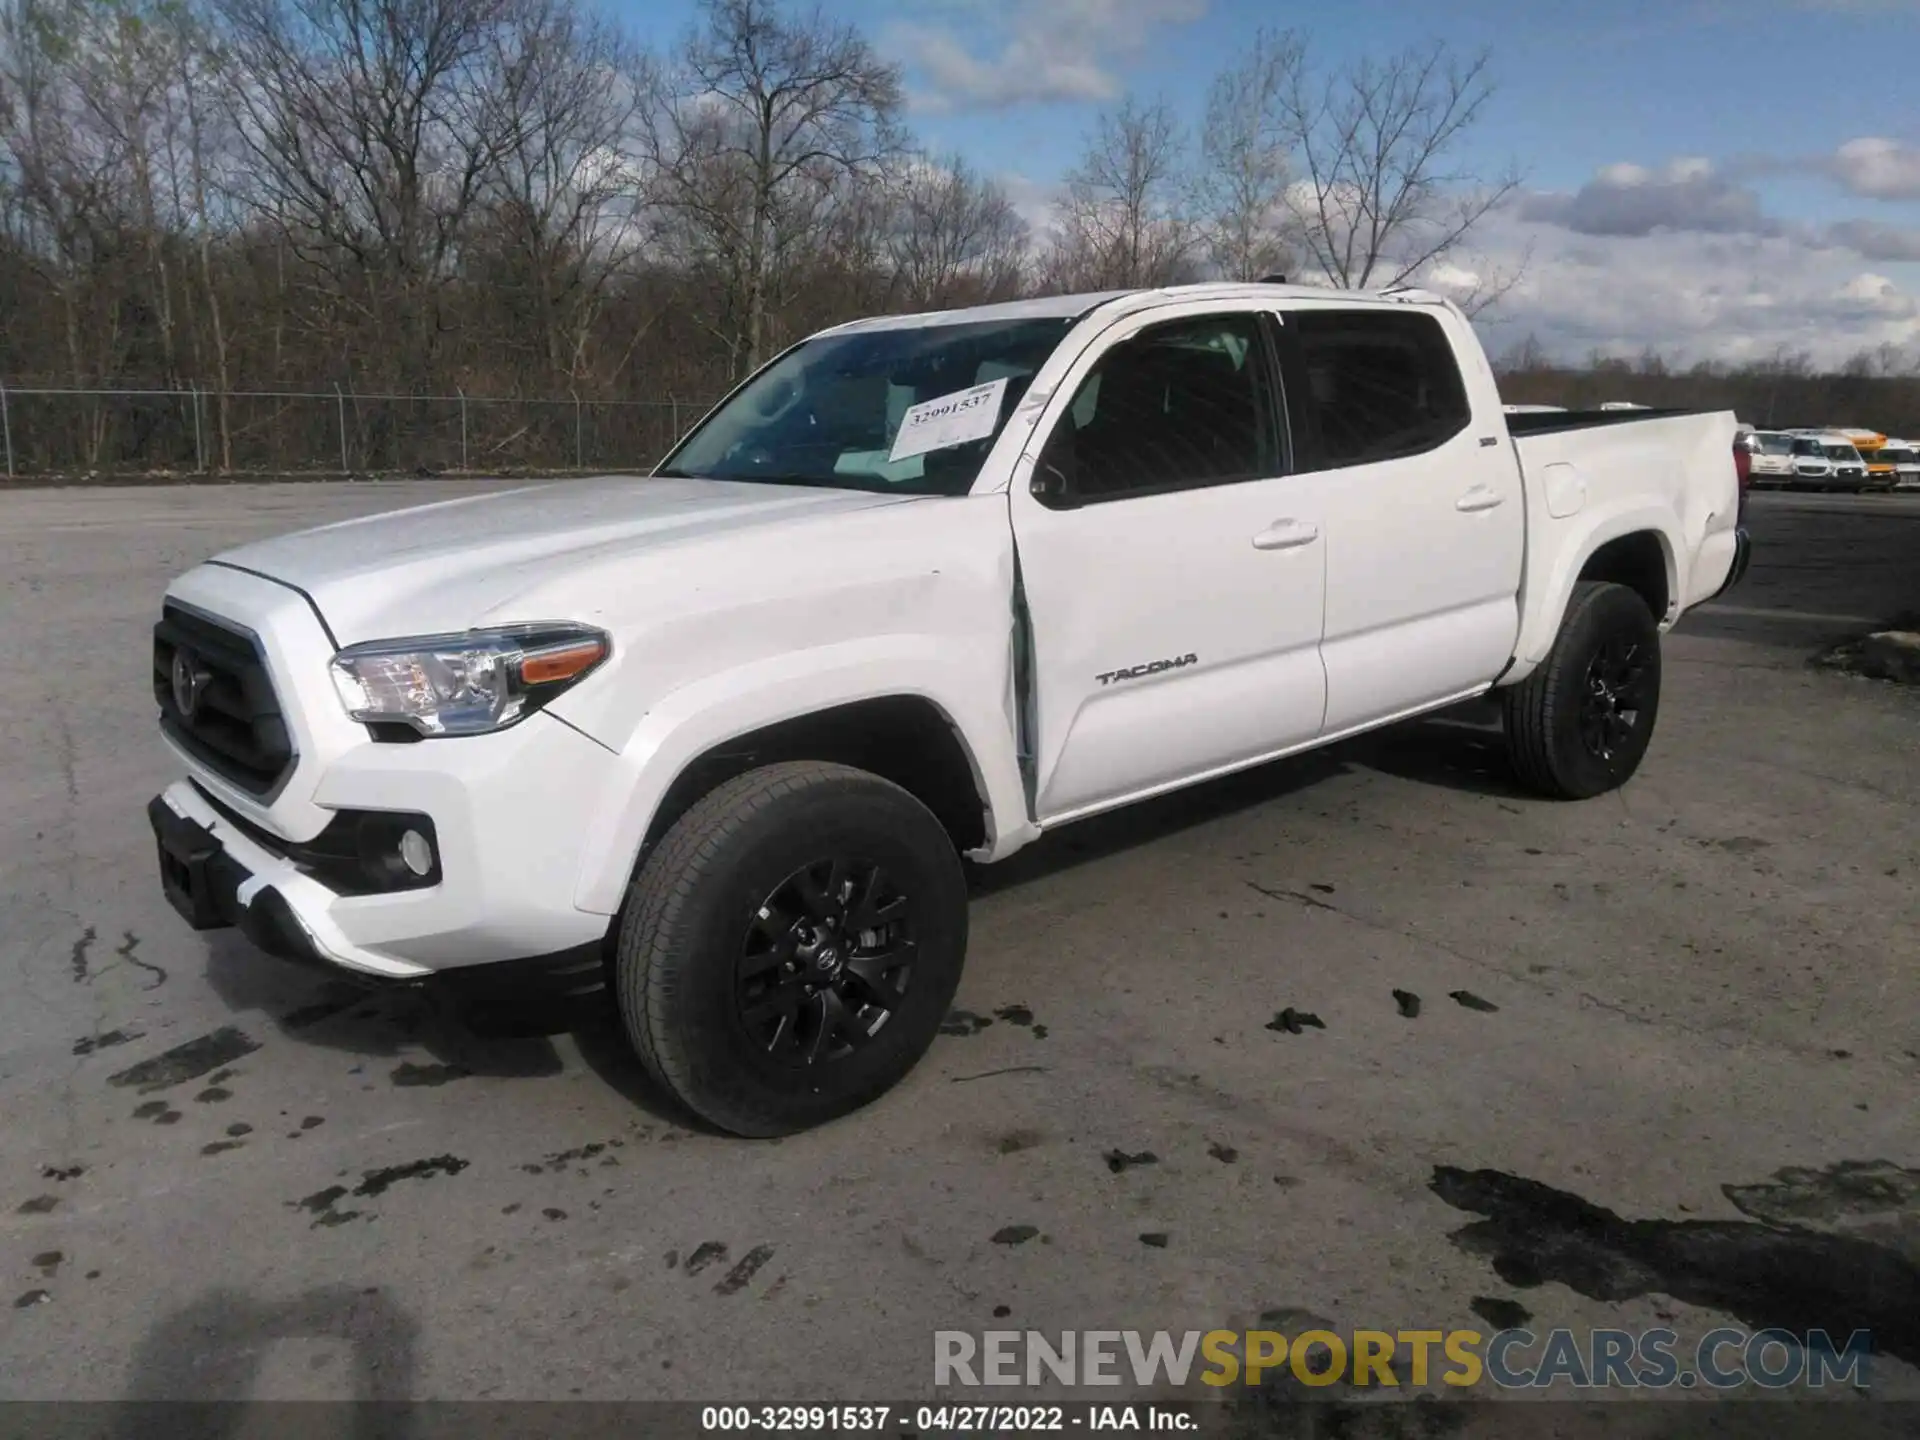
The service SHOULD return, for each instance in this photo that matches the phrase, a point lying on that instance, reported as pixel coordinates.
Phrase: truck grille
(217, 701)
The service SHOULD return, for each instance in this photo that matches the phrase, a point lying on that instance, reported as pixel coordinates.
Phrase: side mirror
(1051, 486)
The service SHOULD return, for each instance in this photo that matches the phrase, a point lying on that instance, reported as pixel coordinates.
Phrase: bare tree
(750, 131)
(1524, 358)
(1246, 161)
(840, 264)
(955, 237)
(209, 175)
(123, 68)
(275, 194)
(372, 125)
(1377, 200)
(1885, 361)
(1126, 220)
(560, 197)
(1478, 283)
(63, 184)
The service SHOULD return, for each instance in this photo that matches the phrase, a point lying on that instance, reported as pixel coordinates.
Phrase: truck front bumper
(503, 815)
(217, 877)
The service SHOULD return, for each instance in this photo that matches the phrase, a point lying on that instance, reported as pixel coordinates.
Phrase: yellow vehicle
(1881, 473)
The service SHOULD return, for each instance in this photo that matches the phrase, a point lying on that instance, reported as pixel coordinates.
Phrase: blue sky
(1764, 155)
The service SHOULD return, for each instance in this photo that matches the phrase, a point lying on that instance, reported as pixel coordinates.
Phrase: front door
(1172, 567)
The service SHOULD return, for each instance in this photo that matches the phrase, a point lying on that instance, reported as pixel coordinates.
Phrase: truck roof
(1069, 307)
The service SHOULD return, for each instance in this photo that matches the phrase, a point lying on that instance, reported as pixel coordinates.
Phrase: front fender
(965, 682)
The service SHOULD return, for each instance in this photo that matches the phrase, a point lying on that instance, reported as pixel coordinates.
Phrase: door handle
(1480, 497)
(1286, 535)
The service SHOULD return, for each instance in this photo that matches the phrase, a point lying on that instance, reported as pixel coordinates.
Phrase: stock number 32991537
(816, 1419)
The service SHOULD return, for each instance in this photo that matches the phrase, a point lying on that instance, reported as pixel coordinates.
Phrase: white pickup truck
(923, 587)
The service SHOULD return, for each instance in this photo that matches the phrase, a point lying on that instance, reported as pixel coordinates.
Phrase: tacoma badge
(1152, 667)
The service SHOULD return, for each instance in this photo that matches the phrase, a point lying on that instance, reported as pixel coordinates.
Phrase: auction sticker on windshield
(949, 420)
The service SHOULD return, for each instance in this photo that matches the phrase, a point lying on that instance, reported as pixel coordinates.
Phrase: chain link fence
(64, 434)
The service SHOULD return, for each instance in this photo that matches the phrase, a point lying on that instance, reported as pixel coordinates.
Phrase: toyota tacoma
(922, 589)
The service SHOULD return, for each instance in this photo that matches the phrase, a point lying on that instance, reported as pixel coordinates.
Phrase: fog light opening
(415, 853)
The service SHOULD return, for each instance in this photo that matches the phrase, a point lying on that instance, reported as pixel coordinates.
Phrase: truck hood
(457, 564)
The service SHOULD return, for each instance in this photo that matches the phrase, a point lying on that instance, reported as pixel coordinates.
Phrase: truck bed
(1549, 422)
(1606, 473)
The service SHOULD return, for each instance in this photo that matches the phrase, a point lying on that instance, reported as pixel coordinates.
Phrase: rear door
(1172, 566)
(1421, 495)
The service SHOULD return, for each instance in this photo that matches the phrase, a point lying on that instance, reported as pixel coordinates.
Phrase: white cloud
(1692, 294)
(1453, 277)
(1677, 256)
(1878, 168)
(1874, 297)
(1000, 52)
(1625, 199)
(1036, 203)
(1875, 240)
(1684, 257)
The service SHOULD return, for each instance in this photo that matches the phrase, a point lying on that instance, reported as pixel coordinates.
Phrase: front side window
(832, 411)
(1184, 404)
(1383, 384)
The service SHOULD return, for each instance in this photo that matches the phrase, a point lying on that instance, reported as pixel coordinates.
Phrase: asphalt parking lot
(1690, 1002)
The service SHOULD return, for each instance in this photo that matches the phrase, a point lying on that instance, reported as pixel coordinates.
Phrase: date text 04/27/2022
(944, 1419)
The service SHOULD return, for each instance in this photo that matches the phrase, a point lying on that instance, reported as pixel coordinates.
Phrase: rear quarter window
(1381, 384)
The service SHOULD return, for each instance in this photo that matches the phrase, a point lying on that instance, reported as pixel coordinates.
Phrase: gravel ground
(1267, 1047)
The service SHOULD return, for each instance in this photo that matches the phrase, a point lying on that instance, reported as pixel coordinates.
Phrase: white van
(1827, 460)
(1773, 459)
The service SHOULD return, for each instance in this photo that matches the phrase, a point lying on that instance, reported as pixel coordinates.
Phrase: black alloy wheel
(826, 961)
(1580, 723)
(1615, 691)
(789, 948)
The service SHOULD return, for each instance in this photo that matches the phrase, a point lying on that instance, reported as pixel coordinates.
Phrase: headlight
(465, 684)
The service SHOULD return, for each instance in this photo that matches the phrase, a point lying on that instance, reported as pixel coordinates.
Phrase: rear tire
(788, 950)
(1580, 724)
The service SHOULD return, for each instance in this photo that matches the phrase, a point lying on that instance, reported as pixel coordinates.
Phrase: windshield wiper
(812, 482)
(775, 477)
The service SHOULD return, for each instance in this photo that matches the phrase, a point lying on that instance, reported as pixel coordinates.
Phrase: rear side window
(1382, 384)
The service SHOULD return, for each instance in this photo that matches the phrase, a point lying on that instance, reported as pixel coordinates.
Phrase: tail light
(1744, 444)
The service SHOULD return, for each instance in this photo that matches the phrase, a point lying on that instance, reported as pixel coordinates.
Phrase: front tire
(788, 950)
(1580, 724)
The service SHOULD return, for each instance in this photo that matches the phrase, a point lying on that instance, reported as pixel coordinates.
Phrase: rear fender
(1573, 542)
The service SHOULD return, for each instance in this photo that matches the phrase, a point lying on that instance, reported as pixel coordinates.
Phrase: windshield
(1808, 447)
(1775, 445)
(911, 410)
(1842, 452)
